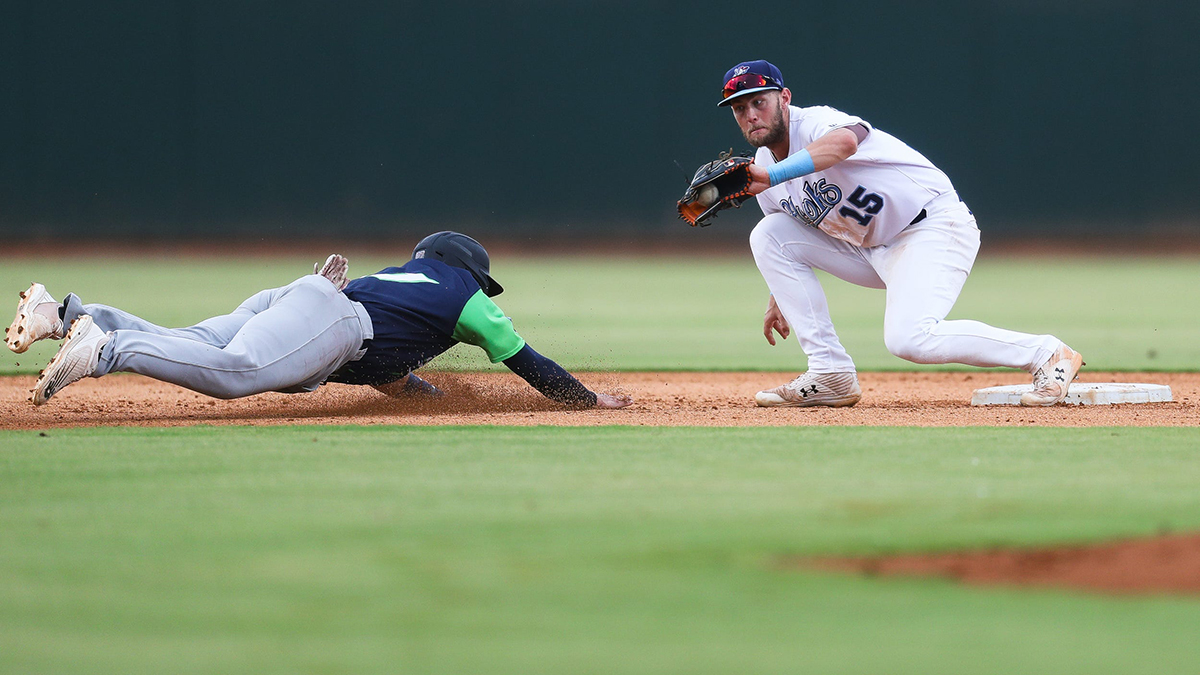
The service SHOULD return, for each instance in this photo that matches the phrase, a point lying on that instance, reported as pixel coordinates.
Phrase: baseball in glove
(718, 185)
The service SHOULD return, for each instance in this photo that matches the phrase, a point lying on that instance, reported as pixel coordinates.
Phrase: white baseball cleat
(834, 390)
(29, 325)
(1053, 378)
(75, 360)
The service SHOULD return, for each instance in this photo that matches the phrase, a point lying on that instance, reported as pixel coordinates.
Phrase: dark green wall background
(188, 118)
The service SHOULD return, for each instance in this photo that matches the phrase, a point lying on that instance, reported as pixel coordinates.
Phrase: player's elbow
(845, 143)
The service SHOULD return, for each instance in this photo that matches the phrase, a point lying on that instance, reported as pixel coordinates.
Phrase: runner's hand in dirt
(612, 401)
(410, 386)
(773, 319)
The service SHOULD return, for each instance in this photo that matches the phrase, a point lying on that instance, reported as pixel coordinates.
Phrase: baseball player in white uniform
(841, 196)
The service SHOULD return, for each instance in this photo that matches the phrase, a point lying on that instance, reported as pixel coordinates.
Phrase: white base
(1080, 393)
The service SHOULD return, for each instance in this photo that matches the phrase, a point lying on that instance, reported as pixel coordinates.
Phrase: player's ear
(786, 96)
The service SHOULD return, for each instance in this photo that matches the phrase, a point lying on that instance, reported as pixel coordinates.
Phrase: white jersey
(865, 200)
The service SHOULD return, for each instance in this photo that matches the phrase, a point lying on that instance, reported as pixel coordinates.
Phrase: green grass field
(614, 550)
(705, 314)
(595, 550)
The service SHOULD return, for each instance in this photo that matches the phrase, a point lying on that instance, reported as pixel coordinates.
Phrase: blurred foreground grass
(573, 550)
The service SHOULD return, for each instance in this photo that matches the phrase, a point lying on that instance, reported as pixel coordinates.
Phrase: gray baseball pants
(287, 339)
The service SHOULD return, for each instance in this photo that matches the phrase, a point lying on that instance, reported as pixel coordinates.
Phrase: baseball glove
(718, 185)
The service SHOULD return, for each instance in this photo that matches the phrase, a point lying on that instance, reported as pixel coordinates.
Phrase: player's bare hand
(612, 401)
(773, 320)
(410, 386)
(759, 179)
(335, 270)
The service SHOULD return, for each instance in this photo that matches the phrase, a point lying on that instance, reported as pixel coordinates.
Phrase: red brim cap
(727, 101)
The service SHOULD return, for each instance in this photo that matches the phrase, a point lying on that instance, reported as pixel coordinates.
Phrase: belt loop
(364, 320)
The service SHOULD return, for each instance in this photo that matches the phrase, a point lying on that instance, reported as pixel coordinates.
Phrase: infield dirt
(660, 399)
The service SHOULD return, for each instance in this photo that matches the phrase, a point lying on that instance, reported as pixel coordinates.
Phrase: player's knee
(240, 376)
(233, 387)
(909, 341)
(759, 240)
(765, 236)
(240, 386)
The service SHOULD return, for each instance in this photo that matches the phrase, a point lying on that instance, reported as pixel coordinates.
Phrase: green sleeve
(483, 324)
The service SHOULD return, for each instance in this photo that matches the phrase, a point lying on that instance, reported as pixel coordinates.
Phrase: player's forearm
(551, 379)
(409, 385)
(835, 146)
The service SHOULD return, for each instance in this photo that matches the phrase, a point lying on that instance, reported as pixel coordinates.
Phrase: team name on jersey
(821, 197)
(819, 200)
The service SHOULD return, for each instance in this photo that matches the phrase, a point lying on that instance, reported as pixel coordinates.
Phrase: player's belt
(364, 322)
(944, 197)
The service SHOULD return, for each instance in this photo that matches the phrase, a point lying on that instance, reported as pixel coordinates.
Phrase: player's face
(761, 118)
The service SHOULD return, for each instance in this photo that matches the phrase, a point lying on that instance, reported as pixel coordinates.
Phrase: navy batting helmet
(463, 252)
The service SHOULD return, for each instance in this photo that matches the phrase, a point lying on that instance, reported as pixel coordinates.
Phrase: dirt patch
(660, 399)
(1164, 564)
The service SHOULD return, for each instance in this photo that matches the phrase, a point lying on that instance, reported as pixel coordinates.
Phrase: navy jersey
(418, 311)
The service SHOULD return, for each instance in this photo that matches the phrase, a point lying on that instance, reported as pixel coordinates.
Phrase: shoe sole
(45, 378)
(1029, 401)
(768, 400)
(16, 334)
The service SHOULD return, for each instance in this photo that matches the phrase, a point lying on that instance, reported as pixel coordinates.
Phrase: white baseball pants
(923, 270)
(287, 339)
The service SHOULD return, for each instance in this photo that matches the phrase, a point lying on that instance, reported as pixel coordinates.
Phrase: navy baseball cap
(749, 77)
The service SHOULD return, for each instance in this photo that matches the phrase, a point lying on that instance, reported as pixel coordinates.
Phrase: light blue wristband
(799, 164)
